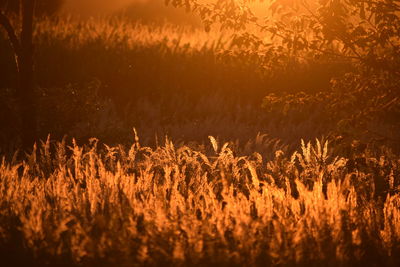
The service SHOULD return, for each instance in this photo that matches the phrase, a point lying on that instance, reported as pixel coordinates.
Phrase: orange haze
(92, 6)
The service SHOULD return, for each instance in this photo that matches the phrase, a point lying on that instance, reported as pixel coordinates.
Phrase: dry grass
(118, 31)
(103, 76)
(250, 201)
(179, 206)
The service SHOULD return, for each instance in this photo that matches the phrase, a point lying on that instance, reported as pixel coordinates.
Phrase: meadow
(171, 146)
(104, 76)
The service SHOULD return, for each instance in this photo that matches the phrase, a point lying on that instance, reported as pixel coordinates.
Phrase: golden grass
(179, 206)
(190, 203)
(116, 31)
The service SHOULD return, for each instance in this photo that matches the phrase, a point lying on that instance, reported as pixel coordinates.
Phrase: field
(167, 145)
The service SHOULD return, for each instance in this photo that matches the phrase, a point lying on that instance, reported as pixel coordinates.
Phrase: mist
(97, 6)
(147, 11)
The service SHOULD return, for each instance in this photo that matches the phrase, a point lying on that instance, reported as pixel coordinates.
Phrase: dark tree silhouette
(23, 52)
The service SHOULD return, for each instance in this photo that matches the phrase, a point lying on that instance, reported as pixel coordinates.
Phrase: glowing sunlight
(199, 133)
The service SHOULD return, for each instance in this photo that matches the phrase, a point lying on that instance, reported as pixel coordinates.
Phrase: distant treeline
(43, 7)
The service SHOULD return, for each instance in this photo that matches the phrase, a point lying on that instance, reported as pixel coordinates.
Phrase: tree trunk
(25, 89)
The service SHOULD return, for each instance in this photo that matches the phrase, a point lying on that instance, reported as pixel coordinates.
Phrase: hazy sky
(92, 6)
(154, 11)
(145, 10)
(98, 5)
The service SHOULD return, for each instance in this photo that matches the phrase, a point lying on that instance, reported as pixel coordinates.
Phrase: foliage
(361, 34)
(356, 105)
(364, 30)
(367, 31)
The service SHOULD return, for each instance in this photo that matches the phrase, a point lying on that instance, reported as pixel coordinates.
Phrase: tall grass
(133, 59)
(101, 77)
(245, 198)
(174, 205)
